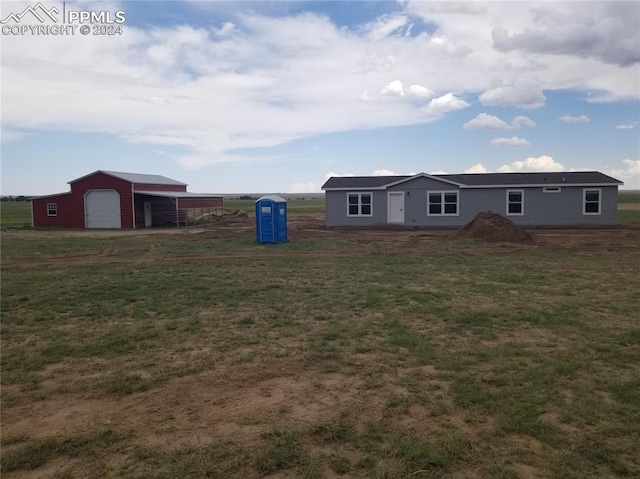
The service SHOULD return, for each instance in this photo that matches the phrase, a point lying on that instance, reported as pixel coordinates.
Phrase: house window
(52, 209)
(359, 204)
(551, 189)
(442, 203)
(515, 202)
(592, 202)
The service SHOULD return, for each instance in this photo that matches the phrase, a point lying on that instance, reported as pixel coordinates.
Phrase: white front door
(102, 209)
(395, 207)
(147, 214)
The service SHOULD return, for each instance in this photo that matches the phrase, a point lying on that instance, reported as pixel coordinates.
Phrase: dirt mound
(238, 214)
(488, 226)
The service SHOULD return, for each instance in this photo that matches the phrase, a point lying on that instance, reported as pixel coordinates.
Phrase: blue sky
(269, 96)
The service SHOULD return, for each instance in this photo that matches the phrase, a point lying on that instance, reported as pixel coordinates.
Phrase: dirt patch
(629, 207)
(488, 226)
(312, 226)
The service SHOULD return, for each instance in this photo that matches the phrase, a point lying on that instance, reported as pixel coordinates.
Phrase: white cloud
(387, 25)
(8, 134)
(486, 122)
(627, 126)
(440, 44)
(420, 91)
(332, 174)
(438, 172)
(156, 100)
(629, 173)
(384, 172)
(364, 96)
(444, 104)
(565, 30)
(574, 119)
(303, 187)
(513, 141)
(542, 163)
(290, 76)
(519, 121)
(477, 168)
(393, 88)
(162, 139)
(567, 67)
(226, 29)
(632, 166)
(522, 93)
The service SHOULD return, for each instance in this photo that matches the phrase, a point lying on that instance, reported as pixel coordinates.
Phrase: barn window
(591, 202)
(359, 204)
(52, 209)
(442, 203)
(515, 202)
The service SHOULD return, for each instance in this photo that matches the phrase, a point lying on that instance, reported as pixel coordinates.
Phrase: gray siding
(540, 209)
(336, 209)
(415, 202)
(543, 209)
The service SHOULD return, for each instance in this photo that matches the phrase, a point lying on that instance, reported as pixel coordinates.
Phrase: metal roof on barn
(135, 178)
(176, 194)
(478, 180)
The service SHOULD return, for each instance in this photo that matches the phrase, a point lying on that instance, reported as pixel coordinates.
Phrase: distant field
(629, 196)
(370, 354)
(295, 205)
(15, 214)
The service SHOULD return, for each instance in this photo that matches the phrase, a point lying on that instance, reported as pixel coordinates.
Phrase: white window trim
(359, 215)
(584, 201)
(521, 202)
(55, 205)
(442, 193)
(552, 189)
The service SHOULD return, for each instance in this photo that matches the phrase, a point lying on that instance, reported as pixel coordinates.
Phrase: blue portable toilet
(271, 219)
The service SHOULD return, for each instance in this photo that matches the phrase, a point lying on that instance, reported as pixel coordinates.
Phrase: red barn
(111, 199)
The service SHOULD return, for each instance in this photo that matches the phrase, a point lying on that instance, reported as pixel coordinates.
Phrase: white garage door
(103, 209)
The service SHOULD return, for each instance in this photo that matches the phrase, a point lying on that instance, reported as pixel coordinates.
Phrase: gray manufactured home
(583, 198)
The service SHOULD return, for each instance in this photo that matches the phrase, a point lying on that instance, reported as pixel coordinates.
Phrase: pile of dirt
(236, 216)
(488, 226)
(239, 214)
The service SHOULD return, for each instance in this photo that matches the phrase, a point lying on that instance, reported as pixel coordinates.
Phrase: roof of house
(477, 180)
(135, 178)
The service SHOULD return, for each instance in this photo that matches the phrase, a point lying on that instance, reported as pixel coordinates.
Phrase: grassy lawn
(194, 355)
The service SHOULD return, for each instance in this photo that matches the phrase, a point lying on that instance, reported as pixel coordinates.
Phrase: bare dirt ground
(311, 226)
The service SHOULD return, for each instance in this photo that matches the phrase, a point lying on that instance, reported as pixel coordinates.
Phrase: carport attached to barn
(168, 208)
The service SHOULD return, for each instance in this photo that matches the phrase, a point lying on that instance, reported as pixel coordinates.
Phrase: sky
(277, 96)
